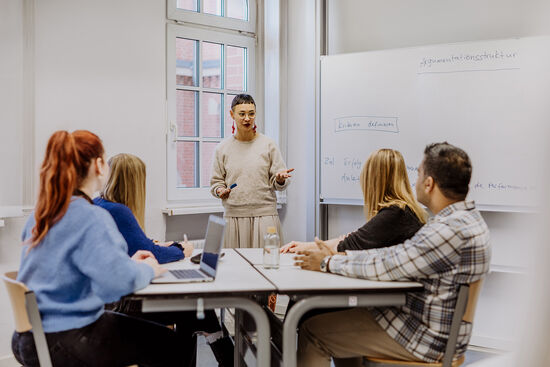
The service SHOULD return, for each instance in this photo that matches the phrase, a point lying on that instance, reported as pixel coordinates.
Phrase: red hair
(66, 163)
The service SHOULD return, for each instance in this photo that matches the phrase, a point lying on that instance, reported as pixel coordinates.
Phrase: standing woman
(75, 260)
(253, 162)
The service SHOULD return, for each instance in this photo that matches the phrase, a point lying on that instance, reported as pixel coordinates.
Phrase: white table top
(255, 256)
(234, 275)
(291, 278)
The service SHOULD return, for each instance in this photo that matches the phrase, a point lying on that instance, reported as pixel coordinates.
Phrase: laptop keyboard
(187, 273)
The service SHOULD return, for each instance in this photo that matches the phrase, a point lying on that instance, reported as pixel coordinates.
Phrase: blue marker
(233, 186)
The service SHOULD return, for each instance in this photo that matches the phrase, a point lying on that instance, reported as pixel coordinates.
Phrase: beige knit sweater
(252, 165)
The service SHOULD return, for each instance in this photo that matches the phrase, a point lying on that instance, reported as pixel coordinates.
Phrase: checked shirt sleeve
(434, 249)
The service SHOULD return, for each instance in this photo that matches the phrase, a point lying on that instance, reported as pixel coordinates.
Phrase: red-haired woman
(75, 260)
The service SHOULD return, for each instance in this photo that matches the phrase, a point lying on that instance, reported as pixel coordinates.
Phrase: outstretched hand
(281, 176)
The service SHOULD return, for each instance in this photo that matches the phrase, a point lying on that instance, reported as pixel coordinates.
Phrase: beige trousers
(247, 232)
(347, 336)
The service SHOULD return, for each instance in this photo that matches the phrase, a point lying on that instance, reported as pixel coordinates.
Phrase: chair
(27, 316)
(464, 310)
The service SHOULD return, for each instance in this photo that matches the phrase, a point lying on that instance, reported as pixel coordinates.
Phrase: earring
(233, 128)
(254, 128)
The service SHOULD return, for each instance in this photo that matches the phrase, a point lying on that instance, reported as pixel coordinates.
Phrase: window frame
(198, 195)
(188, 16)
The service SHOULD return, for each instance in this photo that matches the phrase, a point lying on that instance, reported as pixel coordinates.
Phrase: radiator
(198, 244)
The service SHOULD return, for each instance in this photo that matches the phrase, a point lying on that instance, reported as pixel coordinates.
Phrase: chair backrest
(464, 311)
(473, 296)
(16, 291)
(27, 316)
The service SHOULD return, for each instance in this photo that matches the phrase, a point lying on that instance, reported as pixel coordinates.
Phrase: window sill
(195, 209)
(192, 209)
(13, 211)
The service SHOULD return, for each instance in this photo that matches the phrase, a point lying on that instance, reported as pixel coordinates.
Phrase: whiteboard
(490, 98)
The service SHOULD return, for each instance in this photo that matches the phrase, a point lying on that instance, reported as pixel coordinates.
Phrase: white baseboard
(492, 342)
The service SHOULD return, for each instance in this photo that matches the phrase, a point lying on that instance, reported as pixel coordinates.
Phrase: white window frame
(199, 195)
(188, 16)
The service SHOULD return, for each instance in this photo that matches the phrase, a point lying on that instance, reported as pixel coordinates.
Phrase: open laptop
(209, 260)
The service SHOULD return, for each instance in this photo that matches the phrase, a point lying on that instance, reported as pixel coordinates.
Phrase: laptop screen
(212, 245)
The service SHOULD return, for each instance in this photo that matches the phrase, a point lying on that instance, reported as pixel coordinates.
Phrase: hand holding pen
(224, 193)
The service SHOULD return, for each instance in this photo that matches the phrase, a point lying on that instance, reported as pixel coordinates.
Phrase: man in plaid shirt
(451, 249)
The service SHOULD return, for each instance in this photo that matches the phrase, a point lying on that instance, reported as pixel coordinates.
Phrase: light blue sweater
(80, 265)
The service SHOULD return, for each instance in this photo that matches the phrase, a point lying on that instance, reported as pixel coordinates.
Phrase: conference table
(313, 289)
(236, 283)
(241, 279)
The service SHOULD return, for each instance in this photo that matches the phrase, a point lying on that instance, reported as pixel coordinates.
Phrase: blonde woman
(124, 198)
(393, 214)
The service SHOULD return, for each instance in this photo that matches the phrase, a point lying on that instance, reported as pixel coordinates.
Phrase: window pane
(186, 62)
(228, 119)
(211, 65)
(211, 115)
(213, 7)
(207, 155)
(237, 9)
(187, 5)
(187, 163)
(186, 112)
(235, 70)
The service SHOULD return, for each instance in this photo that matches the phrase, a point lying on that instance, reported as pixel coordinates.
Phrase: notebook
(206, 272)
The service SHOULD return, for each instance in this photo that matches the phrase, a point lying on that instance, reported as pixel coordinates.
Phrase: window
(231, 14)
(205, 70)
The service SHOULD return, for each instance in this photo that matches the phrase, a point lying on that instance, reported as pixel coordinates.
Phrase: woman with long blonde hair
(393, 214)
(124, 198)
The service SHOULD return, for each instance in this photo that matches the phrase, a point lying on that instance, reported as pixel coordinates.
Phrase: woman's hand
(148, 258)
(281, 176)
(187, 248)
(298, 246)
(223, 193)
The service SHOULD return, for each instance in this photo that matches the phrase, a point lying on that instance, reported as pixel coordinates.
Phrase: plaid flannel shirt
(451, 249)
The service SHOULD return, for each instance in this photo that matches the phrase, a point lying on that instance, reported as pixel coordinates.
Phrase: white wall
(355, 26)
(11, 99)
(299, 214)
(100, 65)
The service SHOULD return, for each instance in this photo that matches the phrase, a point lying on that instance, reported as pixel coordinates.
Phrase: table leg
(333, 301)
(245, 304)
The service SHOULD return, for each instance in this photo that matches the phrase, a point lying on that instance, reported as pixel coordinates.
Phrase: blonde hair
(126, 184)
(385, 183)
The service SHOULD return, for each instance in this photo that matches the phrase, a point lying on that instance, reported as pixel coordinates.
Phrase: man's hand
(281, 176)
(311, 259)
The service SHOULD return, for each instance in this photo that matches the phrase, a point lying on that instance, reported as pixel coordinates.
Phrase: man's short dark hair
(450, 167)
(242, 99)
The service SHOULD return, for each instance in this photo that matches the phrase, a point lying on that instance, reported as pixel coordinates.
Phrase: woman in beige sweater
(253, 162)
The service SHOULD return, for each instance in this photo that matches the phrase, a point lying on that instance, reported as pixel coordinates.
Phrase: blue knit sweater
(81, 264)
(133, 234)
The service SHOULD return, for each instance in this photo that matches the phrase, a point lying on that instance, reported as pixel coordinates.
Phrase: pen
(185, 237)
(233, 186)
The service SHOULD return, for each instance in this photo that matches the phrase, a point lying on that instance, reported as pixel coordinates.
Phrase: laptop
(209, 259)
